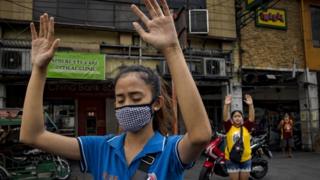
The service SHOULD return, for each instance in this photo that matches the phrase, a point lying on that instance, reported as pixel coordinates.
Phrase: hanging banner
(77, 65)
(272, 18)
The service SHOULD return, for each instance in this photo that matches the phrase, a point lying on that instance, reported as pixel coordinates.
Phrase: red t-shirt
(287, 128)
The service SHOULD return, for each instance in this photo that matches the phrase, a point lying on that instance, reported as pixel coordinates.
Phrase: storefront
(268, 116)
(75, 107)
(275, 93)
(77, 98)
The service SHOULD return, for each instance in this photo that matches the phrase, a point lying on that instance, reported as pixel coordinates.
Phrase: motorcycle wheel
(63, 170)
(205, 174)
(3, 175)
(259, 168)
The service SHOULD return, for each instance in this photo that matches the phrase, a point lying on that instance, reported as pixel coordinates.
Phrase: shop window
(315, 23)
(91, 123)
(62, 114)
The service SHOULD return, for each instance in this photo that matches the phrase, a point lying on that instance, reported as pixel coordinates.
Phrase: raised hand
(161, 32)
(248, 99)
(228, 100)
(43, 44)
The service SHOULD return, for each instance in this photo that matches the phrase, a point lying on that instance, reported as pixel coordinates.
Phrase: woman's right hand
(43, 44)
(228, 100)
(161, 32)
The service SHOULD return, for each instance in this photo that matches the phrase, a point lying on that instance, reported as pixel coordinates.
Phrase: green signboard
(76, 65)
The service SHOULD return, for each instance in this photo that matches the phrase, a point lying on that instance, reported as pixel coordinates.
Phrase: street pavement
(303, 166)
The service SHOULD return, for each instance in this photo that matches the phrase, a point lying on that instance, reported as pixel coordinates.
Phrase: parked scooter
(36, 156)
(19, 161)
(216, 162)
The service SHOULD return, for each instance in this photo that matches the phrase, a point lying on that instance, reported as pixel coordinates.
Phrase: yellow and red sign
(272, 18)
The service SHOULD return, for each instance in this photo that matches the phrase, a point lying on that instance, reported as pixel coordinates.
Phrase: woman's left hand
(161, 32)
(248, 99)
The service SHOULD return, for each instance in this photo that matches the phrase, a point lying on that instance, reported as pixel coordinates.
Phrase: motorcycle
(19, 161)
(215, 162)
(32, 163)
(61, 165)
(259, 149)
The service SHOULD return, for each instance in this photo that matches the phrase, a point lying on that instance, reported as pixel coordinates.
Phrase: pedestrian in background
(236, 128)
(286, 128)
(143, 151)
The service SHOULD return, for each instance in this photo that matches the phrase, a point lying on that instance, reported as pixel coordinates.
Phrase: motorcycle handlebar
(220, 134)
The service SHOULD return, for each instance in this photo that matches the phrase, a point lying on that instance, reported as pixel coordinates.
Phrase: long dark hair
(235, 111)
(163, 117)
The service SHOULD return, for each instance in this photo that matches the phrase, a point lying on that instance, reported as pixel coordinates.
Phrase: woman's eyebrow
(120, 95)
(133, 93)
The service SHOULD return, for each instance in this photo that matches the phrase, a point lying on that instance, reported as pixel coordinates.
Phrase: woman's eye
(136, 99)
(120, 101)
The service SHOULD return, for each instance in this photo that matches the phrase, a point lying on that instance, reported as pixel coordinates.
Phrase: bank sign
(272, 18)
(76, 65)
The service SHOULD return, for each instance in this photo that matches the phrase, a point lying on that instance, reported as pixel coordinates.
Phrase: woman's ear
(158, 103)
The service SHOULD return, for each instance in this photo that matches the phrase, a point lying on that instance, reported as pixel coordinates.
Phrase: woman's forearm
(32, 119)
(251, 113)
(226, 109)
(190, 102)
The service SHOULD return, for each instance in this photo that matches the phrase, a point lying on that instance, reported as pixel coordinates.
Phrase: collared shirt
(104, 157)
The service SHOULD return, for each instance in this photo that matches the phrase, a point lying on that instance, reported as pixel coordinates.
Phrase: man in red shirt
(286, 127)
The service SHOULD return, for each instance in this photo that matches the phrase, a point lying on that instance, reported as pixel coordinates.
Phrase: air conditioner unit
(15, 59)
(214, 67)
(195, 67)
(198, 21)
(11, 60)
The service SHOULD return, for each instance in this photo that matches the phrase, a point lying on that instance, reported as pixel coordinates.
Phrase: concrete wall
(309, 109)
(269, 93)
(16, 10)
(222, 18)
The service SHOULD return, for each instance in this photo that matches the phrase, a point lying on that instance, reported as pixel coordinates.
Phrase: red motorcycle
(215, 162)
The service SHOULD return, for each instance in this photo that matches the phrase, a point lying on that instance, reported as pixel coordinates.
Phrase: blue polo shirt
(104, 158)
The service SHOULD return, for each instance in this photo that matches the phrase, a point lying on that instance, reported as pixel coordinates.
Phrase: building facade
(84, 106)
(311, 30)
(277, 68)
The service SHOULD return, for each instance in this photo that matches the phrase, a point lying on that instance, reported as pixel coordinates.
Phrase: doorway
(91, 116)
